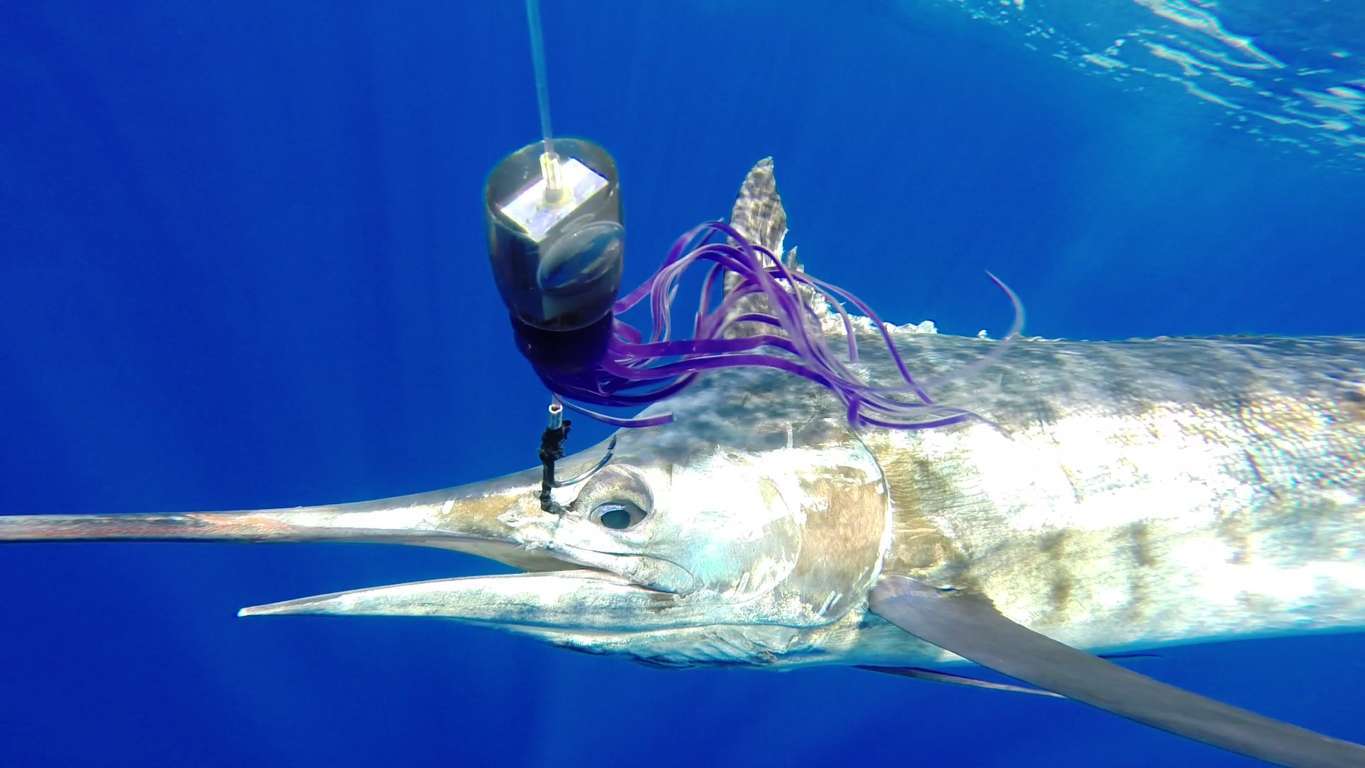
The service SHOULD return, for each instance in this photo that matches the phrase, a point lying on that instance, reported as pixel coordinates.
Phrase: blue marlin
(1111, 497)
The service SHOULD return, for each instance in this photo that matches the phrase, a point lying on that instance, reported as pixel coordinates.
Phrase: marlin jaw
(571, 587)
(564, 588)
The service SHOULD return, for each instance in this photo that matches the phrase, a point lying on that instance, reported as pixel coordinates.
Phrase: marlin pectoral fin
(970, 626)
(935, 676)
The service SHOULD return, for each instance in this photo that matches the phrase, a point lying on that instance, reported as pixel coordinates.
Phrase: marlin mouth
(500, 520)
(571, 600)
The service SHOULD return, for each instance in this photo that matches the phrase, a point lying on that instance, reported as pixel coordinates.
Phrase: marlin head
(701, 542)
(676, 552)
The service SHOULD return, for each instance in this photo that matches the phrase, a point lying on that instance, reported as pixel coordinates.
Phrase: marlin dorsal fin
(758, 213)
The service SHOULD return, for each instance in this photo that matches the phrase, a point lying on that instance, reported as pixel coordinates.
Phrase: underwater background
(242, 264)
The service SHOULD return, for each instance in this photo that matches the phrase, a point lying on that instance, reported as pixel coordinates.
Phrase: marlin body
(1111, 497)
(1144, 493)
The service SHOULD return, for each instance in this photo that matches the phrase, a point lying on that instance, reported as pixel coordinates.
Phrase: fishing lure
(557, 245)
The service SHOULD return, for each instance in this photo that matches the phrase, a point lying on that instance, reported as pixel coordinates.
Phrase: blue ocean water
(244, 266)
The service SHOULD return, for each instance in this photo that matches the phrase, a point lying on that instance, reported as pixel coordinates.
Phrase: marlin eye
(617, 515)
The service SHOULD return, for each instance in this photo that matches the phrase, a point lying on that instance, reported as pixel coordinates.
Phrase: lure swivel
(552, 449)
